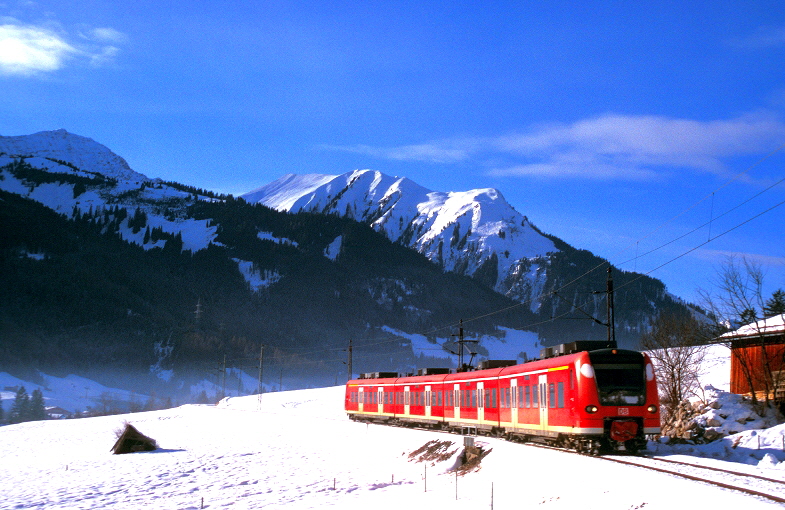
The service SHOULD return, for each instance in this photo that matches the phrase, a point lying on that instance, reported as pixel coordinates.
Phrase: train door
(514, 411)
(428, 400)
(457, 400)
(543, 386)
(360, 398)
(380, 400)
(480, 399)
(406, 400)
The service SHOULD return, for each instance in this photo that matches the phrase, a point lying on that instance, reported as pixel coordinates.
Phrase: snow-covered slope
(472, 232)
(297, 450)
(80, 151)
(115, 185)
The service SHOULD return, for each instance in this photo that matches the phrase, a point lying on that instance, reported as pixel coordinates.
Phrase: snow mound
(726, 413)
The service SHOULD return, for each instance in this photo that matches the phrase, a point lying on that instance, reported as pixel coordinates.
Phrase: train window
(620, 377)
(535, 393)
(551, 395)
(507, 403)
(527, 392)
(493, 398)
(560, 387)
(514, 396)
(474, 398)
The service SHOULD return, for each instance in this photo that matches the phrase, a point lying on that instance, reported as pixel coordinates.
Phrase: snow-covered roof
(768, 327)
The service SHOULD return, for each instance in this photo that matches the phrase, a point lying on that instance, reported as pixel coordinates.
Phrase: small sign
(624, 411)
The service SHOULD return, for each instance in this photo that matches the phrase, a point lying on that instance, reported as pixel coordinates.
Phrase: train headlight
(652, 409)
(587, 371)
(592, 409)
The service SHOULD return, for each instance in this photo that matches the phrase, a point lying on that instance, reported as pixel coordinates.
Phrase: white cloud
(27, 50)
(30, 50)
(612, 146)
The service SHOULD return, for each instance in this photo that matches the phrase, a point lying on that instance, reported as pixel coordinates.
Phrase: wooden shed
(758, 358)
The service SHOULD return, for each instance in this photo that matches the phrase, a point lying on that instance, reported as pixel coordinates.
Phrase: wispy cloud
(29, 50)
(638, 147)
(612, 146)
(436, 152)
(764, 37)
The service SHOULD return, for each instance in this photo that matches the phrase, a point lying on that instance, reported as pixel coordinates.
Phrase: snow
(771, 326)
(80, 151)
(278, 194)
(257, 280)
(425, 220)
(196, 234)
(334, 248)
(297, 450)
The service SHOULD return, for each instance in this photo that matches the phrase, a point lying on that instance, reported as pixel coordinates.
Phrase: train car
(592, 401)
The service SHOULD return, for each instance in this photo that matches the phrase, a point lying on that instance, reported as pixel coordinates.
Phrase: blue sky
(615, 126)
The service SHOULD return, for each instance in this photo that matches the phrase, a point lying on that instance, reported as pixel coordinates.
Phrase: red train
(592, 401)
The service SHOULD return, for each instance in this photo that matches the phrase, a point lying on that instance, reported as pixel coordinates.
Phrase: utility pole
(349, 362)
(261, 359)
(223, 386)
(611, 317)
(461, 343)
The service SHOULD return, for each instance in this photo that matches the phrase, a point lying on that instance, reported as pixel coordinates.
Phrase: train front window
(620, 377)
(620, 385)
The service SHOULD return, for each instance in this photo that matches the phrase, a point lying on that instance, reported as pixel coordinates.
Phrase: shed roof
(773, 326)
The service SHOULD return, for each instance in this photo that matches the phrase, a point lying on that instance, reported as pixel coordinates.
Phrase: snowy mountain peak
(473, 232)
(82, 152)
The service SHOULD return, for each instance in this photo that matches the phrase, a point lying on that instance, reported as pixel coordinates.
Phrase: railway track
(755, 485)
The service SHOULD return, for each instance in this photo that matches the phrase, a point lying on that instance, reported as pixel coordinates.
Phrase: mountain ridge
(475, 232)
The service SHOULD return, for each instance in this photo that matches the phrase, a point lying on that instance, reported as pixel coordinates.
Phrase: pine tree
(20, 410)
(37, 410)
(775, 305)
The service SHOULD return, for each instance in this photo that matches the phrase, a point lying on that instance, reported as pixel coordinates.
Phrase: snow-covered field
(298, 450)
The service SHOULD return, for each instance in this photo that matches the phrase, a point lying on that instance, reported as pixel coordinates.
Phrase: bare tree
(676, 344)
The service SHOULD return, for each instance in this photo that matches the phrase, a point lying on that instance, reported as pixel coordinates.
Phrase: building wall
(766, 368)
